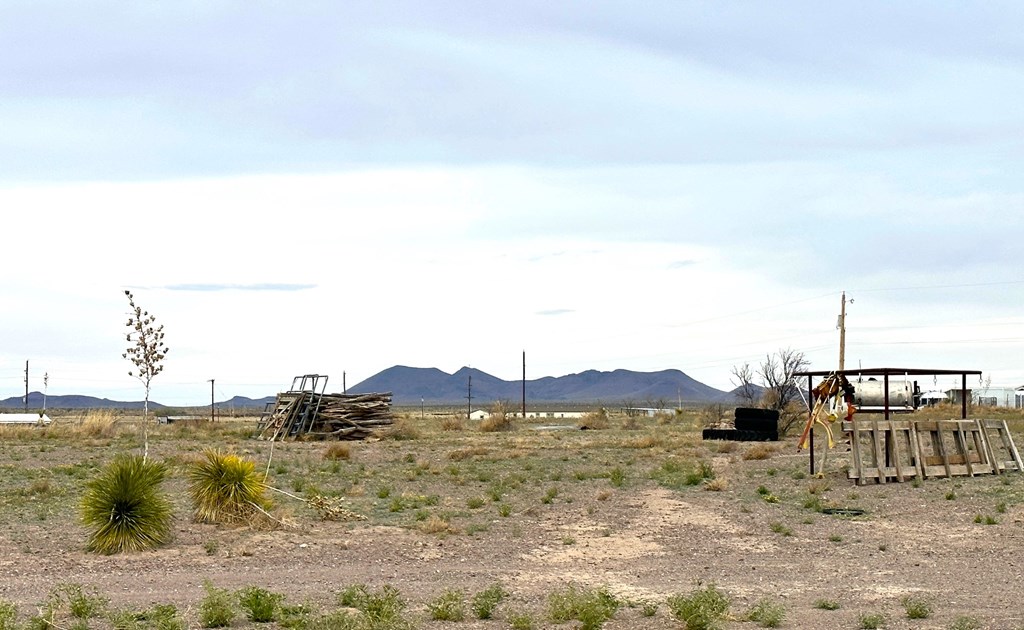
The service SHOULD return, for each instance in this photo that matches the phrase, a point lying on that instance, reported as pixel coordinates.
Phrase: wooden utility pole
(524, 385)
(212, 404)
(469, 398)
(26, 385)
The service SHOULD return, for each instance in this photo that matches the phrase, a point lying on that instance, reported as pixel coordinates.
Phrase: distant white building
(24, 418)
(993, 396)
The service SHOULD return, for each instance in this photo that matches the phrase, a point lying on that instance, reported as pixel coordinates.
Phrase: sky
(337, 188)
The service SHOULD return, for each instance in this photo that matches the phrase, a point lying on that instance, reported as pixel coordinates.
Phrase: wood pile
(310, 415)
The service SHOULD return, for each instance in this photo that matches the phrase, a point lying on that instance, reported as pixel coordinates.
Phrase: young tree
(146, 352)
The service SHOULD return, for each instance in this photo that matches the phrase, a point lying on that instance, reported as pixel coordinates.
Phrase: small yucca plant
(125, 508)
(226, 488)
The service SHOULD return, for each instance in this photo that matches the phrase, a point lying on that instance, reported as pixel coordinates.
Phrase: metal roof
(889, 372)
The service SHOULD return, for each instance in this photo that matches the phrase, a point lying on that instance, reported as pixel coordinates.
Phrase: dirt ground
(756, 534)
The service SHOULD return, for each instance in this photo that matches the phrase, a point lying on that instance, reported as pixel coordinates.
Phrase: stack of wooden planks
(310, 415)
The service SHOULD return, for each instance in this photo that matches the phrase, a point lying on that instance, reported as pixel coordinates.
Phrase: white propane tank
(870, 394)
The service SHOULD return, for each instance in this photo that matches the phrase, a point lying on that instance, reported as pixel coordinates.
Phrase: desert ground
(641, 509)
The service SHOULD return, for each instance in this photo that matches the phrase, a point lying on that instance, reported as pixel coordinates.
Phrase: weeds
(259, 604)
(780, 528)
(590, 607)
(826, 604)
(916, 607)
(767, 614)
(8, 615)
(965, 623)
(337, 451)
(871, 621)
(486, 601)
(449, 606)
(520, 620)
(703, 609)
(217, 609)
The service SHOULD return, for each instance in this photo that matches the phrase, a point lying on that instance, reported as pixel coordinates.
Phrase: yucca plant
(125, 508)
(226, 488)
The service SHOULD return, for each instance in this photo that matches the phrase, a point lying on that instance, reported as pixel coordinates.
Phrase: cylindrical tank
(871, 393)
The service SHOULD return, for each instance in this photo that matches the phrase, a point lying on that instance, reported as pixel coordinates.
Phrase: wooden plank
(941, 448)
(878, 451)
(855, 444)
(960, 439)
(894, 451)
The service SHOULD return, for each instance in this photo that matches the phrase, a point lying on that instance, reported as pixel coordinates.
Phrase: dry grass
(98, 423)
(595, 420)
(452, 423)
(338, 450)
(726, 446)
(466, 453)
(402, 429)
(759, 451)
(435, 525)
(496, 422)
(647, 441)
(717, 484)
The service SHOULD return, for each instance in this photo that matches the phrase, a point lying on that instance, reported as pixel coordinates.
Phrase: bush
(226, 488)
(338, 450)
(487, 600)
(767, 613)
(916, 607)
(259, 604)
(216, 609)
(702, 609)
(499, 419)
(871, 621)
(590, 607)
(124, 507)
(449, 606)
(8, 615)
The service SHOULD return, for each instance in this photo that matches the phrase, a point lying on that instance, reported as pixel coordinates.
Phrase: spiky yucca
(226, 488)
(125, 508)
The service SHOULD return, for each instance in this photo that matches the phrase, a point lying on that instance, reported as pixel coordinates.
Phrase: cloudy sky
(298, 187)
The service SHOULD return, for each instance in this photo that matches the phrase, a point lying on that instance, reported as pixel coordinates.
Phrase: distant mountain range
(411, 385)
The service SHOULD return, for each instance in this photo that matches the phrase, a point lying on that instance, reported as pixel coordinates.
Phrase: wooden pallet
(897, 450)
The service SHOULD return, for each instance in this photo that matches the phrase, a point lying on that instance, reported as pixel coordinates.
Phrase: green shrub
(8, 615)
(617, 477)
(225, 488)
(354, 596)
(449, 606)
(702, 609)
(590, 607)
(871, 621)
(487, 600)
(767, 613)
(82, 603)
(965, 623)
(159, 617)
(826, 604)
(519, 620)
(124, 507)
(916, 607)
(259, 604)
(217, 608)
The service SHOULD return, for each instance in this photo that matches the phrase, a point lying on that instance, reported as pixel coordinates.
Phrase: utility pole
(212, 406)
(26, 385)
(842, 333)
(469, 398)
(344, 387)
(524, 385)
(46, 382)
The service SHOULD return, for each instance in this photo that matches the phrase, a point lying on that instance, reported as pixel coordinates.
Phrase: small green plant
(8, 615)
(504, 510)
(767, 613)
(354, 596)
(826, 604)
(259, 604)
(1001, 507)
(82, 603)
(978, 518)
(159, 617)
(590, 607)
(703, 609)
(916, 607)
(217, 609)
(474, 503)
(871, 621)
(384, 608)
(965, 623)
(836, 538)
(211, 547)
(951, 495)
(780, 528)
(702, 472)
(448, 606)
(617, 477)
(383, 492)
(648, 608)
(991, 520)
(520, 620)
(225, 488)
(487, 600)
(568, 540)
(125, 508)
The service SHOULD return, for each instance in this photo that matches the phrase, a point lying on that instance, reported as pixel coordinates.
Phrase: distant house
(479, 414)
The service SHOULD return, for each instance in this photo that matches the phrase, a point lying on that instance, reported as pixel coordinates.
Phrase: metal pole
(810, 401)
(469, 398)
(842, 335)
(344, 387)
(212, 408)
(963, 395)
(26, 385)
(524, 384)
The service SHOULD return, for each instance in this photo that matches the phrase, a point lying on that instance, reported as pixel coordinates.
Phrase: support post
(213, 412)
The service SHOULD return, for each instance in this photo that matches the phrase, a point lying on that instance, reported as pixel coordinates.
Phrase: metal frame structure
(885, 373)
